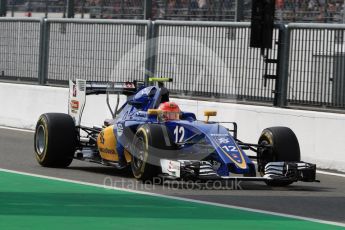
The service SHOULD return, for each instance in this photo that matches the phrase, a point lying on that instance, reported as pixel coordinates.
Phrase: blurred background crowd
(331, 11)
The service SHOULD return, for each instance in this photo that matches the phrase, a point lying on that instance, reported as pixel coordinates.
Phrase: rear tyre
(55, 140)
(284, 147)
(148, 147)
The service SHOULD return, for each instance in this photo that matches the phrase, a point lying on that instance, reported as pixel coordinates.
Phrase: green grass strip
(28, 202)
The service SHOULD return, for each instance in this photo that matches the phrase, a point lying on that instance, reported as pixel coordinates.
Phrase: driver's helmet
(170, 111)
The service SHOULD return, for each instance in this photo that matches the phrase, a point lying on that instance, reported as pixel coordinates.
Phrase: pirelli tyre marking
(41, 143)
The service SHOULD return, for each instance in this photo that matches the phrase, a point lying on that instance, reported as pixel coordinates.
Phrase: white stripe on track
(330, 173)
(17, 129)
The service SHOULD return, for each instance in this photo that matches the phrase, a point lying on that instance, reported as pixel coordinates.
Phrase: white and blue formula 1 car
(140, 137)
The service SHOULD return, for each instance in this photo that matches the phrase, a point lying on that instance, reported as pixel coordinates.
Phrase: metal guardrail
(208, 59)
(99, 50)
(317, 64)
(20, 48)
(212, 59)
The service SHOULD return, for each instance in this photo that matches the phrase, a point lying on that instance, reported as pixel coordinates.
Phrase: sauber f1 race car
(151, 137)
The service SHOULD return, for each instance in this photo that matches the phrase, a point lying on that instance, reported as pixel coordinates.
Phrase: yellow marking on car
(106, 142)
(128, 156)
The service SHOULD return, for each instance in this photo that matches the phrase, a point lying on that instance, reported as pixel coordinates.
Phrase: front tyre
(151, 143)
(284, 146)
(141, 168)
(55, 140)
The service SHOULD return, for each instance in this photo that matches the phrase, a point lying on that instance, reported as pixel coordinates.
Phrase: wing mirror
(155, 114)
(209, 113)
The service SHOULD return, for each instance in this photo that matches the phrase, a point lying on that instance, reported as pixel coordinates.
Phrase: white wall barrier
(320, 134)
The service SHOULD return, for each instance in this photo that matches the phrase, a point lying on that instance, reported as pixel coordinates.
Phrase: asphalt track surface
(324, 201)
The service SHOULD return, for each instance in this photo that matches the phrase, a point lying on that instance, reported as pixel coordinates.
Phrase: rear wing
(80, 88)
(125, 88)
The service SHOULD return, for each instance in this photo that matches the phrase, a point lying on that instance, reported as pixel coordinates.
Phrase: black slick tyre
(284, 147)
(148, 147)
(55, 140)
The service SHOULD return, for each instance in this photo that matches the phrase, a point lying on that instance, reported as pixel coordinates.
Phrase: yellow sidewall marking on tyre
(142, 169)
(267, 135)
(43, 122)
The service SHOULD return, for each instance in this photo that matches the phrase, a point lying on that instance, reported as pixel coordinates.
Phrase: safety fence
(20, 48)
(206, 59)
(317, 64)
(99, 50)
(211, 59)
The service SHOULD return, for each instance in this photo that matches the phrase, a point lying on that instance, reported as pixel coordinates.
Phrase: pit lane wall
(320, 134)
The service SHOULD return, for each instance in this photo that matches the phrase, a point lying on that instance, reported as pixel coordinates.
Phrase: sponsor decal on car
(219, 135)
(74, 106)
(170, 167)
(107, 151)
(106, 142)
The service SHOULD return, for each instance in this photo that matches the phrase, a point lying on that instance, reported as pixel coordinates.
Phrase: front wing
(204, 171)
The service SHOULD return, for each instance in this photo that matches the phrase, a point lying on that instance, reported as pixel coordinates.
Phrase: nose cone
(231, 154)
(234, 168)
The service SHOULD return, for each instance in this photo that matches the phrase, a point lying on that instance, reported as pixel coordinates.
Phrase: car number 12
(230, 148)
(179, 134)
